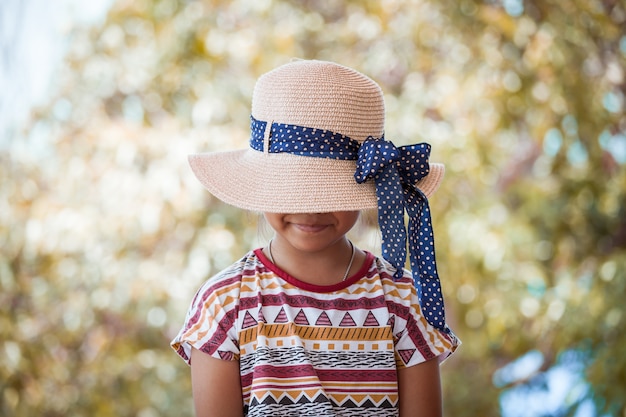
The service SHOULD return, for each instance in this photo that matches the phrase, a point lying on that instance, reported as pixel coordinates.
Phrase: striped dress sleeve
(211, 322)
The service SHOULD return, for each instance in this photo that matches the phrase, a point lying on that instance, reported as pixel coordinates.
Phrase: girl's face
(312, 232)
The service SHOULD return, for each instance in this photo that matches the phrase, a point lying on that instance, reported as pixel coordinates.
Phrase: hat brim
(286, 183)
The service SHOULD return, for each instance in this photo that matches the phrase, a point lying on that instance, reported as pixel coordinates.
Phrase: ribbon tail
(422, 256)
(391, 218)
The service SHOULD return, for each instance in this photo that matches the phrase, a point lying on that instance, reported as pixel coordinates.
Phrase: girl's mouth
(310, 228)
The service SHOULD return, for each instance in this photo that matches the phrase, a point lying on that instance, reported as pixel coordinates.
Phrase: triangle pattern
(281, 317)
(323, 320)
(272, 285)
(358, 398)
(310, 393)
(268, 400)
(394, 293)
(248, 321)
(246, 288)
(377, 398)
(286, 401)
(338, 398)
(370, 320)
(347, 321)
(301, 319)
(386, 404)
(375, 288)
(368, 404)
(406, 354)
(228, 300)
(225, 355)
(321, 398)
(349, 404)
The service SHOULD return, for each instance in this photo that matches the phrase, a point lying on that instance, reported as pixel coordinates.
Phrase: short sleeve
(415, 339)
(419, 342)
(211, 322)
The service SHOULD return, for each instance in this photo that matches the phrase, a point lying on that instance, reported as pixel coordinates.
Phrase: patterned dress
(308, 350)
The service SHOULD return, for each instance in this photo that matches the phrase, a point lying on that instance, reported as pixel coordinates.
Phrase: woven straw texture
(317, 94)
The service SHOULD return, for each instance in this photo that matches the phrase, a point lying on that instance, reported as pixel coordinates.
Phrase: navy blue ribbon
(304, 141)
(395, 171)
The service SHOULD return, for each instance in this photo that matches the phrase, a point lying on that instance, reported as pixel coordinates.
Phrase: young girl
(311, 325)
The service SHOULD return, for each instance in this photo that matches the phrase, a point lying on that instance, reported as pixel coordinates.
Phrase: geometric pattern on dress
(323, 320)
(315, 333)
(347, 321)
(261, 317)
(406, 355)
(307, 353)
(316, 409)
(322, 359)
(227, 356)
(301, 319)
(370, 320)
(344, 401)
(248, 321)
(281, 317)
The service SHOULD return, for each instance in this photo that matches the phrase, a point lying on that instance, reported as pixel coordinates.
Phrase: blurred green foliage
(105, 234)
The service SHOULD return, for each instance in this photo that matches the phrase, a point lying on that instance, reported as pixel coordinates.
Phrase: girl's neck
(328, 266)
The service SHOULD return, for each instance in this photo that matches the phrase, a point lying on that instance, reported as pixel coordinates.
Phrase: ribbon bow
(395, 172)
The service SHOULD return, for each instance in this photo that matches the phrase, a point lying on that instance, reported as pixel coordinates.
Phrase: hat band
(303, 141)
(395, 172)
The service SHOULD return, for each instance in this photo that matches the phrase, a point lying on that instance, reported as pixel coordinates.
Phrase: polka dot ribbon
(304, 141)
(395, 172)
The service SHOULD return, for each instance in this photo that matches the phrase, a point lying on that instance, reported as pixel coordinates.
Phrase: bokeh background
(105, 234)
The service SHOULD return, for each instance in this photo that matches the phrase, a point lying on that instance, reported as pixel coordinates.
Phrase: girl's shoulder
(229, 279)
(402, 289)
(245, 265)
(386, 272)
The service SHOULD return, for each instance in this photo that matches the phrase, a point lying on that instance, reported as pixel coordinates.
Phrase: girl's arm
(216, 386)
(419, 390)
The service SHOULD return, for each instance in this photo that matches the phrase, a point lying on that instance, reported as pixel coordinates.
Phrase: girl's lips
(310, 228)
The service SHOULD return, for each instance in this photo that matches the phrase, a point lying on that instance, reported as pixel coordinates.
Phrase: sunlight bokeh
(105, 234)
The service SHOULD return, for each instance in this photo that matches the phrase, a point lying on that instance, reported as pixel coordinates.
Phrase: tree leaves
(106, 234)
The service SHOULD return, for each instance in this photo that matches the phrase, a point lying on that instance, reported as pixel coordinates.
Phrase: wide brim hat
(312, 94)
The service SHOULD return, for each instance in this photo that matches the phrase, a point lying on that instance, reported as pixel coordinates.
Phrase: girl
(311, 325)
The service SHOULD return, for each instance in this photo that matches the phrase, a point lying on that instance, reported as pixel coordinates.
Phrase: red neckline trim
(369, 258)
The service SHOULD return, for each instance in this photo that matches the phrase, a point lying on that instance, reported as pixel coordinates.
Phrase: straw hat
(311, 94)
